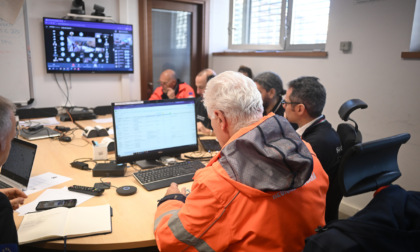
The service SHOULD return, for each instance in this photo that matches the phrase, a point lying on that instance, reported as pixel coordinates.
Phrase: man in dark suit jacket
(303, 104)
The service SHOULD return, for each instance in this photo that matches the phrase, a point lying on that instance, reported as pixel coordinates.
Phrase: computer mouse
(126, 190)
(64, 139)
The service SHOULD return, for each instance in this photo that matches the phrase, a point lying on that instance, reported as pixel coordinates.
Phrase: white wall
(374, 72)
(88, 90)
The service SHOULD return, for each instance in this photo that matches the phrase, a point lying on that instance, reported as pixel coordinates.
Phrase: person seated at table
(10, 198)
(203, 121)
(270, 86)
(171, 87)
(264, 191)
(304, 102)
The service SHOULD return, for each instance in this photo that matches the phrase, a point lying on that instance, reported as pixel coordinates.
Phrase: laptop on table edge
(18, 167)
(39, 134)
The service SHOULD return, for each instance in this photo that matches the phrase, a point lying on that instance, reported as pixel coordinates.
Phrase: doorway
(173, 34)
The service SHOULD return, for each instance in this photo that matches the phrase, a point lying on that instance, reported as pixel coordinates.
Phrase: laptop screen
(18, 166)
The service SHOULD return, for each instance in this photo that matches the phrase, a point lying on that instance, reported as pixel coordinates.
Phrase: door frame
(201, 54)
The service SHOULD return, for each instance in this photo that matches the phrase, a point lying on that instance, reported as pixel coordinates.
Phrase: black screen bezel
(154, 154)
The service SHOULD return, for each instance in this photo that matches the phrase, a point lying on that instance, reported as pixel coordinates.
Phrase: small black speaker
(36, 113)
(126, 190)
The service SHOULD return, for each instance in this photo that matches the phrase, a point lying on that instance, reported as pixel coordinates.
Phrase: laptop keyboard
(162, 177)
(4, 185)
(210, 144)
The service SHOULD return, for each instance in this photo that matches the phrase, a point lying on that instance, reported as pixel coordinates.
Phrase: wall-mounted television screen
(74, 46)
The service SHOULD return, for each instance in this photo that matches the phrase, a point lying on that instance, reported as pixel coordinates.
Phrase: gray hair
(269, 80)
(7, 109)
(237, 96)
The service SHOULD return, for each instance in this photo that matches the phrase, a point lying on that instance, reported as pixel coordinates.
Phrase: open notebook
(18, 167)
(63, 223)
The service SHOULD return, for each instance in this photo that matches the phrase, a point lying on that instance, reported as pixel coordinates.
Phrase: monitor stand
(148, 163)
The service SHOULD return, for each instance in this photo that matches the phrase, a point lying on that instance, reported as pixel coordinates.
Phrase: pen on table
(94, 143)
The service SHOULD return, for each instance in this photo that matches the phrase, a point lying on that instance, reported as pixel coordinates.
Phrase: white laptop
(15, 173)
(42, 133)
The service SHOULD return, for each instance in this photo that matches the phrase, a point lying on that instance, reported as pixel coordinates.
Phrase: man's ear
(300, 109)
(221, 119)
(272, 93)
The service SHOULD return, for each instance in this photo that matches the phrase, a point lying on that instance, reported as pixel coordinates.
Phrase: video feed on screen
(78, 46)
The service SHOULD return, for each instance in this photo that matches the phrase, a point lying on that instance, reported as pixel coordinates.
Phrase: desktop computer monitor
(145, 131)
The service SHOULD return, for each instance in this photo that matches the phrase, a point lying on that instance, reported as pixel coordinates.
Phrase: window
(278, 24)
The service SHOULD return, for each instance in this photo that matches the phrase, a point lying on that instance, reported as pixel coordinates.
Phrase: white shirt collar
(302, 129)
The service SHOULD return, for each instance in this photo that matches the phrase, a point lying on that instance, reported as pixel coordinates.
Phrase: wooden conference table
(133, 216)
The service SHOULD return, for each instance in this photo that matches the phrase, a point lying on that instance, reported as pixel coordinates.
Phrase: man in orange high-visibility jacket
(171, 87)
(265, 190)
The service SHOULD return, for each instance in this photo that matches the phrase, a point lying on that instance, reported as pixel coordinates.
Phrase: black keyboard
(162, 177)
(4, 185)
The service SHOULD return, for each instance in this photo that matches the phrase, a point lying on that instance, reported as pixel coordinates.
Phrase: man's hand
(171, 93)
(173, 189)
(203, 130)
(15, 196)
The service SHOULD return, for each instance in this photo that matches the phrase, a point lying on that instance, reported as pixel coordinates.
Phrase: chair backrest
(349, 136)
(36, 112)
(368, 166)
(103, 110)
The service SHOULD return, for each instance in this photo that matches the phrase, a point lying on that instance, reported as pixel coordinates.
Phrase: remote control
(86, 189)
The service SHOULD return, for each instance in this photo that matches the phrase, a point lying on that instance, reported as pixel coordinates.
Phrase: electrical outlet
(345, 46)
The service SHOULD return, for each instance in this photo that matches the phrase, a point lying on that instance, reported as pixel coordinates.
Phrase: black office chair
(391, 221)
(349, 135)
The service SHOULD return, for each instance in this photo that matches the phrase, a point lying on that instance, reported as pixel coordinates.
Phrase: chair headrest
(349, 106)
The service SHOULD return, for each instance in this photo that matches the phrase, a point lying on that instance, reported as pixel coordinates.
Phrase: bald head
(167, 79)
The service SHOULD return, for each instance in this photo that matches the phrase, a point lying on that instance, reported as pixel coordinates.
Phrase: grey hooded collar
(270, 157)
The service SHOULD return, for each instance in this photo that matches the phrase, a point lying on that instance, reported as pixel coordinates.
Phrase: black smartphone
(45, 205)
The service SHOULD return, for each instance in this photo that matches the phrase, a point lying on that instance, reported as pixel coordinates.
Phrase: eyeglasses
(283, 102)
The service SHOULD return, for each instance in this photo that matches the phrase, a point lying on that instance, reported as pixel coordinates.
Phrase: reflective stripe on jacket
(233, 204)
